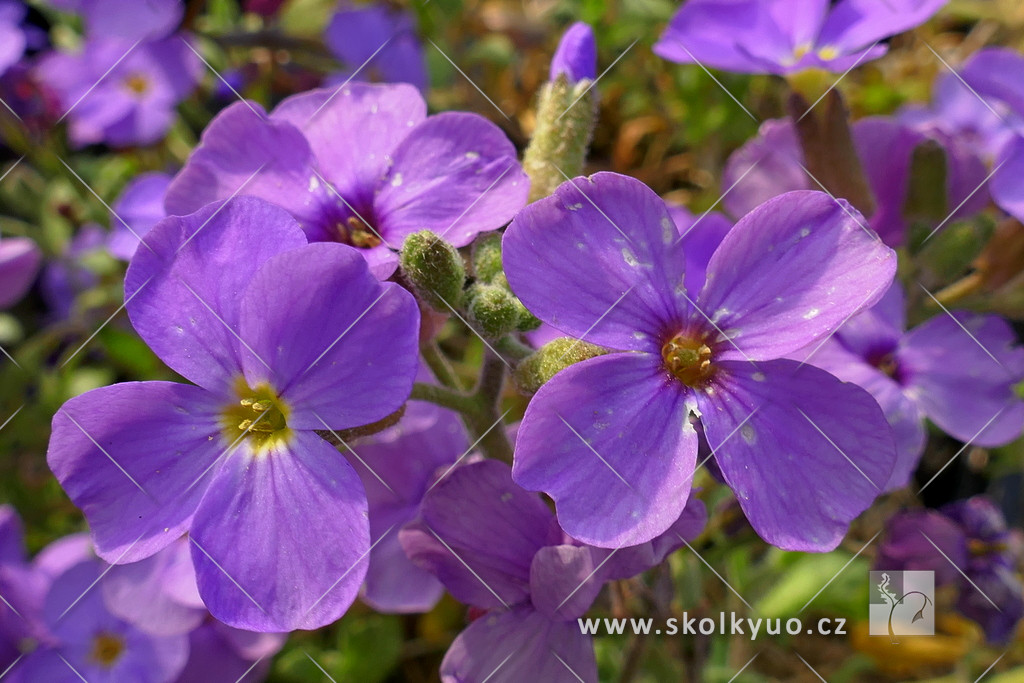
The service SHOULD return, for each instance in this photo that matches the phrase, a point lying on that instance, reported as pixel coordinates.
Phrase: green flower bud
(493, 310)
(434, 269)
(558, 354)
(487, 257)
(527, 321)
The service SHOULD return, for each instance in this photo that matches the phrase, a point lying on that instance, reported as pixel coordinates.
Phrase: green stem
(513, 348)
(439, 365)
(446, 398)
(485, 426)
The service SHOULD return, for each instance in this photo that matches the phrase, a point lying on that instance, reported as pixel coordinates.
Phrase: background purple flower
(282, 338)
(783, 37)
(966, 544)
(130, 20)
(994, 75)
(136, 211)
(610, 438)
(362, 165)
(121, 93)
(376, 42)
(959, 370)
(12, 36)
(397, 466)
(773, 163)
(498, 548)
(19, 262)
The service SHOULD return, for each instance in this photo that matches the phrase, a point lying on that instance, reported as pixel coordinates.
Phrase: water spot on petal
(758, 376)
(804, 232)
(629, 257)
(813, 313)
(472, 155)
(397, 180)
(668, 230)
(748, 434)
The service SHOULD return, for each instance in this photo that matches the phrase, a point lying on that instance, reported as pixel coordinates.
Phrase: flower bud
(576, 56)
(558, 354)
(566, 113)
(493, 310)
(434, 269)
(487, 258)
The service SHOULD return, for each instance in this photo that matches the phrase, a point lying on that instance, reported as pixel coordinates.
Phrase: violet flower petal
(790, 272)
(610, 440)
(132, 457)
(610, 241)
(801, 469)
(299, 568)
(184, 290)
(323, 352)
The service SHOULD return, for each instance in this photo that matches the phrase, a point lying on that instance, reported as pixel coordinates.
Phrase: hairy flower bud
(493, 310)
(487, 258)
(566, 113)
(535, 370)
(434, 269)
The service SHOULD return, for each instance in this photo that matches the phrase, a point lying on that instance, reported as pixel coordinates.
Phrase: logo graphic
(902, 604)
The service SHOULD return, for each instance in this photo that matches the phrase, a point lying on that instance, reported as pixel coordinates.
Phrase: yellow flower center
(355, 232)
(137, 83)
(106, 648)
(688, 359)
(260, 416)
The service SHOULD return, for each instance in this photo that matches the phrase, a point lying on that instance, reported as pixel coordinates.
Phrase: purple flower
(54, 626)
(282, 338)
(994, 75)
(220, 653)
(121, 93)
(959, 370)
(362, 165)
(576, 56)
(398, 466)
(778, 37)
(773, 163)
(130, 20)
(498, 548)
(376, 43)
(12, 36)
(960, 114)
(90, 643)
(610, 438)
(699, 236)
(137, 210)
(966, 544)
(19, 262)
(159, 595)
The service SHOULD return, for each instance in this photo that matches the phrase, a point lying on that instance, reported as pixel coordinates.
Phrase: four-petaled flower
(610, 438)
(281, 338)
(362, 165)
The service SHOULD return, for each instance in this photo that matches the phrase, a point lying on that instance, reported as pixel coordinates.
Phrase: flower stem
(446, 398)
(439, 365)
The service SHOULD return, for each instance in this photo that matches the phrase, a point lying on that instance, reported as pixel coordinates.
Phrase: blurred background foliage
(673, 128)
